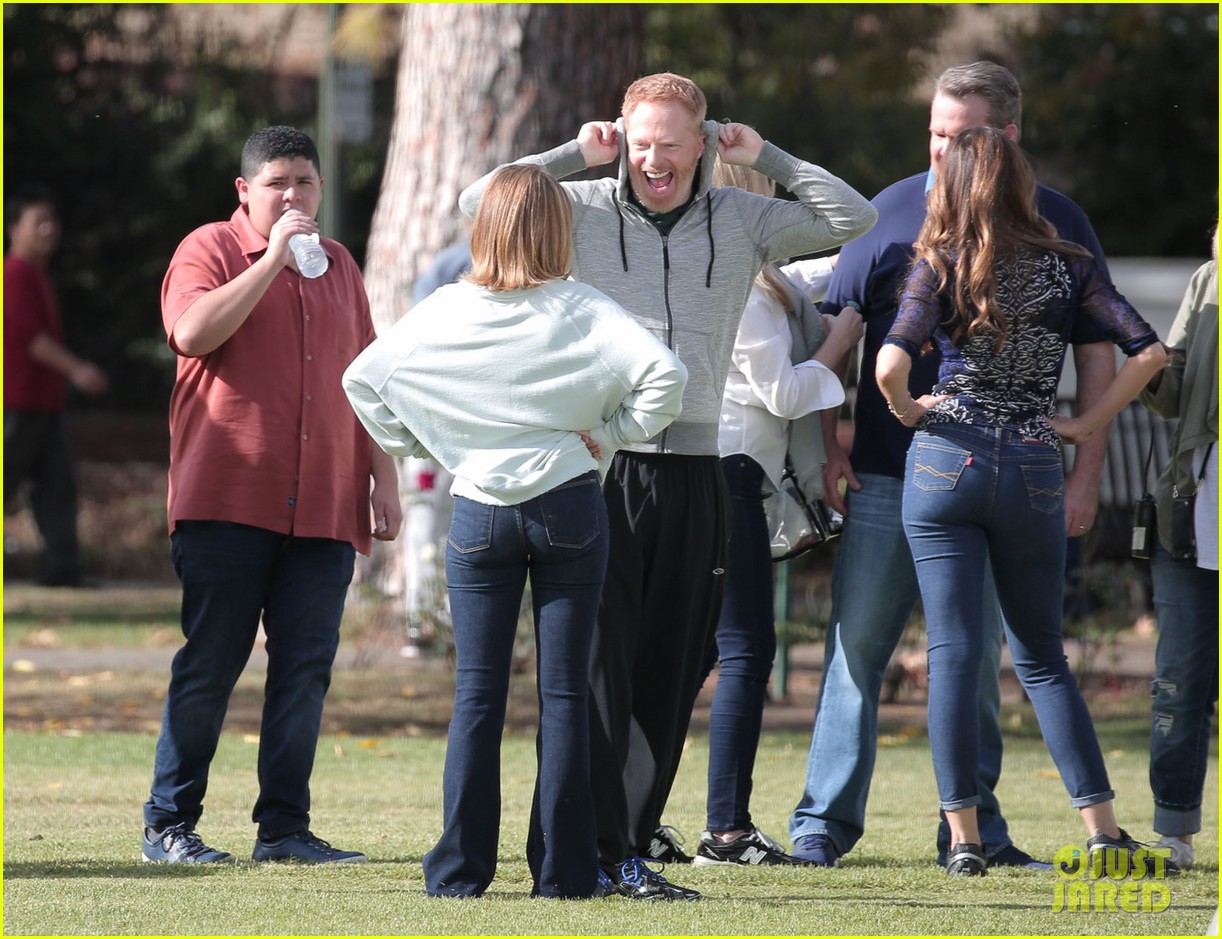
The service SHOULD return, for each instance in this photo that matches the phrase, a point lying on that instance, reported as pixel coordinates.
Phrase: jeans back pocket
(1045, 485)
(471, 526)
(937, 466)
(570, 512)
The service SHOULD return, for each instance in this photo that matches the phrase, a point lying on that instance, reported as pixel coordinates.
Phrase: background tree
(135, 117)
(481, 85)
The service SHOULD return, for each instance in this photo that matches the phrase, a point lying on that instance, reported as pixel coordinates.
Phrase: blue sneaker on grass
(605, 888)
(1010, 856)
(179, 844)
(305, 847)
(635, 879)
(816, 850)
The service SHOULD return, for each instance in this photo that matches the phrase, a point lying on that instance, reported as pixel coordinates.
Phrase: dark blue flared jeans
(559, 541)
(232, 575)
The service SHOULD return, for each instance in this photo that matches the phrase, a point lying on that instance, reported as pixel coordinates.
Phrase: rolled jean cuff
(1082, 802)
(1177, 822)
(968, 803)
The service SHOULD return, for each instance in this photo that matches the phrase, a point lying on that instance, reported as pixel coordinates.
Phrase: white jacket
(496, 385)
(765, 390)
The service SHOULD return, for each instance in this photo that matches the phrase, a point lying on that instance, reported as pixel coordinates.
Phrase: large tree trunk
(480, 85)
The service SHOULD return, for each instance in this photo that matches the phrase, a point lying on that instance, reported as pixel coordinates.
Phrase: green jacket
(1188, 390)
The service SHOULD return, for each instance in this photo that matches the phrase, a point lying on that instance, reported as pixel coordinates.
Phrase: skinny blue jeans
(1184, 692)
(975, 494)
(746, 647)
(874, 590)
(558, 540)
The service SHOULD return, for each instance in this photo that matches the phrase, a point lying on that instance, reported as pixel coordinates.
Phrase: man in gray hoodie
(681, 257)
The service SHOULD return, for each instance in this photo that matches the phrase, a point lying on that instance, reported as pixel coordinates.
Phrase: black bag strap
(1200, 476)
(1204, 465)
(1145, 470)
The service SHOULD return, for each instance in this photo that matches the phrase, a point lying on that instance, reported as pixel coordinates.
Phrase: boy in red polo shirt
(269, 495)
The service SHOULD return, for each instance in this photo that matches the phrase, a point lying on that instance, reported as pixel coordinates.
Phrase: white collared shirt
(765, 390)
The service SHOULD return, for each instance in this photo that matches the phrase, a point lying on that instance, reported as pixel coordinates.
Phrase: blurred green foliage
(1121, 111)
(1120, 101)
(137, 124)
(832, 83)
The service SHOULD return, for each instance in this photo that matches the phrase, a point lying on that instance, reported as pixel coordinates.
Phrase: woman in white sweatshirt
(523, 385)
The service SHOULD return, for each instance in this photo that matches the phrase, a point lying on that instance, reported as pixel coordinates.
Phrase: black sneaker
(636, 880)
(966, 860)
(179, 844)
(305, 847)
(667, 846)
(1123, 857)
(751, 847)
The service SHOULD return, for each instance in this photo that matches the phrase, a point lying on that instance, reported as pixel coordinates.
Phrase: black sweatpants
(669, 525)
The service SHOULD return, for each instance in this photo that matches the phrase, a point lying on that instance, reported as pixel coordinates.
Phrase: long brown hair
(982, 210)
(523, 231)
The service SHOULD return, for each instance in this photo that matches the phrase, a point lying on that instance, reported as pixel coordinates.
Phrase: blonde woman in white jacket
(781, 370)
(523, 385)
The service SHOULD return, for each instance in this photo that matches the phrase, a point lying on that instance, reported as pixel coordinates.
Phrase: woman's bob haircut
(523, 231)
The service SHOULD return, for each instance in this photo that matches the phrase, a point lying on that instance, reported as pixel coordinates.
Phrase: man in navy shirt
(874, 585)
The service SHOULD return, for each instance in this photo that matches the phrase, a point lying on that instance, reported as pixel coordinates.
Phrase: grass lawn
(78, 749)
(72, 866)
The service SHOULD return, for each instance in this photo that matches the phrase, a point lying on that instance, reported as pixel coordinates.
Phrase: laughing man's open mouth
(658, 181)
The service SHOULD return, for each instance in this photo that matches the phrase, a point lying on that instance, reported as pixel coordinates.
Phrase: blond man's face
(664, 149)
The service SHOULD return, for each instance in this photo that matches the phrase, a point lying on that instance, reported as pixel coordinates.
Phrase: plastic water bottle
(311, 258)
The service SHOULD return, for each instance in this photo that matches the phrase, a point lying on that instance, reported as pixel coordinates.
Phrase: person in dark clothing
(681, 257)
(38, 367)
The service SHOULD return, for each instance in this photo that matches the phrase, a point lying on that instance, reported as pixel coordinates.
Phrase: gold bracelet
(898, 416)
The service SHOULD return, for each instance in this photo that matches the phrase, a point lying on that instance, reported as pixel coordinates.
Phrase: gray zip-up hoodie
(689, 287)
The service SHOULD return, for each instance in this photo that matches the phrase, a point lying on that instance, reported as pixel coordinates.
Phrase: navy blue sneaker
(1010, 856)
(179, 844)
(304, 847)
(816, 850)
(635, 879)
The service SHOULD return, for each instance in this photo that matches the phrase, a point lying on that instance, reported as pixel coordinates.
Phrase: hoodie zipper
(670, 322)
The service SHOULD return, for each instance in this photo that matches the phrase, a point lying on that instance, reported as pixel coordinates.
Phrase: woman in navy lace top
(998, 292)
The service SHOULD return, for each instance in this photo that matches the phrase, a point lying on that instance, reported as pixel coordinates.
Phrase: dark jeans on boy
(232, 575)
